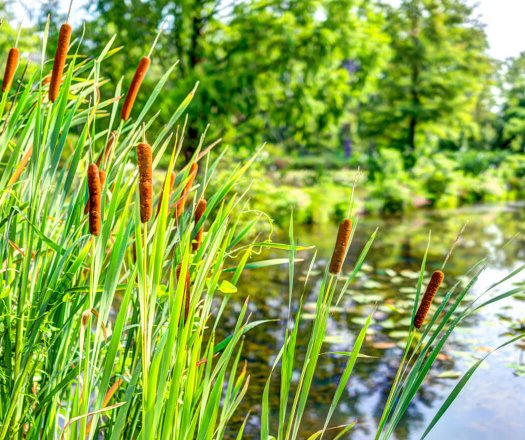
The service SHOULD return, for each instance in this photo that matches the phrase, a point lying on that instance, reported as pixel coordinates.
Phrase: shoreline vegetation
(109, 317)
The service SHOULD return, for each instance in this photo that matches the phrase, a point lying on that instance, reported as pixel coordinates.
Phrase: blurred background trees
(404, 89)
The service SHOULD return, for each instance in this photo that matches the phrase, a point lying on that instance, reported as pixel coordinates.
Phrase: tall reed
(10, 69)
(341, 246)
(432, 288)
(59, 62)
(180, 204)
(138, 77)
(144, 156)
(199, 212)
(95, 190)
(99, 342)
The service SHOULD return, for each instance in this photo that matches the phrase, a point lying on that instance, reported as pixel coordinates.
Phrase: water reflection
(388, 280)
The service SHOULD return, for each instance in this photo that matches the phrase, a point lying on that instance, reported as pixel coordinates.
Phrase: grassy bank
(318, 188)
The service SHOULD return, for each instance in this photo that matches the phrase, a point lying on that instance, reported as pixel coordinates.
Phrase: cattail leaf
(264, 263)
(462, 382)
(224, 343)
(343, 381)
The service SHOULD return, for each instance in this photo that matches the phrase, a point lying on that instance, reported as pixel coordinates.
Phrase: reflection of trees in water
(400, 245)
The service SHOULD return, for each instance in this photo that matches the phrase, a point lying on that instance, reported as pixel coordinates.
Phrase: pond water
(491, 406)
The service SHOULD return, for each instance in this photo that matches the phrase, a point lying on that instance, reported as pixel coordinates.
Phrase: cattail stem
(21, 166)
(59, 61)
(103, 156)
(179, 206)
(199, 212)
(432, 288)
(170, 189)
(341, 245)
(94, 187)
(144, 156)
(134, 87)
(10, 69)
(187, 293)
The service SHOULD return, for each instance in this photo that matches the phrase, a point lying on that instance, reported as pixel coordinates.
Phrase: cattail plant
(179, 206)
(60, 60)
(341, 245)
(134, 87)
(10, 69)
(432, 288)
(145, 180)
(102, 178)
(199, 212)
(94, 187)
(21, 166)
(187, 294)
(170, 189)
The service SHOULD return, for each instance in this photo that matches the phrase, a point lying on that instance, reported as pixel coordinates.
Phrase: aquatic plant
(341, 246)
(122, 332)
(95, 189)
(59, 62)
(134, 87)
(428, 297)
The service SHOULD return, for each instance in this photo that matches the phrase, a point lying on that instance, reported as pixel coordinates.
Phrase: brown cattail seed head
(134, 87)
(102, 177)
(85, 317)
(432, 288)
(60, 61)
(199, 212)
(179, 206)
(10, 68)
(94, 187)
(341, 245)
(145, 180)
(187, 286)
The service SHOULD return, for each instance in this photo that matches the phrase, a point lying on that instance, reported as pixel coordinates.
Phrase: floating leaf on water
(334, 339)
(397, 280)
(360, 298)
(371, 284)
(407, 289)
(389, 323)
(366, 267)
(409, 274)
(405, 322)
(308, 316)
(390, 272)
(444, 357)
(337, 309)
(359, 320)
(519, 370)
(398, 334)
(374, 297)
(383, 345)
(310, 306)
(449, 375)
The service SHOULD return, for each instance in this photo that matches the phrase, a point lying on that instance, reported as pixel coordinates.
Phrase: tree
(288, 72)
(511, 123)
(437, 70)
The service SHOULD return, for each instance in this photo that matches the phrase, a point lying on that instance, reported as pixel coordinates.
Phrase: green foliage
(434, 78)
(102, 336)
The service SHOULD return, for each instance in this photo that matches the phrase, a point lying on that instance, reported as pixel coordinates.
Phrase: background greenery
(406, 91)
